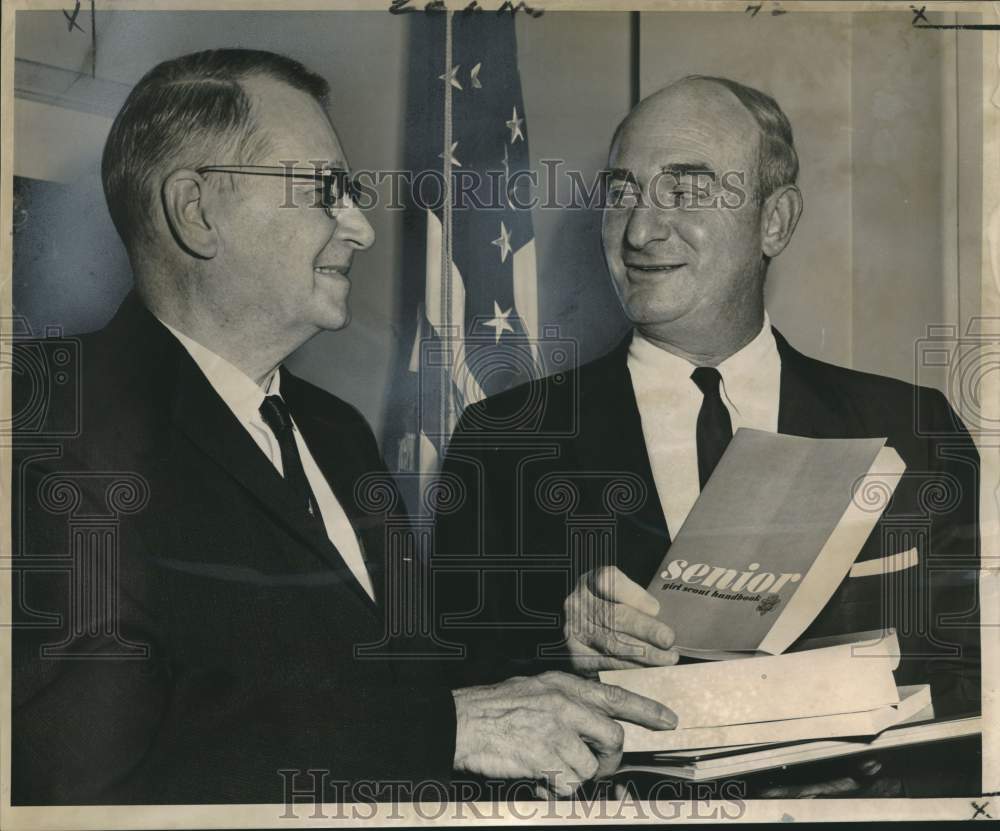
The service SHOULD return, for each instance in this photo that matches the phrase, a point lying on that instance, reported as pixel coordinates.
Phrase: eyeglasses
(338, 187)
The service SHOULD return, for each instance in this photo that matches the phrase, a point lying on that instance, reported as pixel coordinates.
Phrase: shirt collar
(238, 390)
(649, 364)
(741, 372)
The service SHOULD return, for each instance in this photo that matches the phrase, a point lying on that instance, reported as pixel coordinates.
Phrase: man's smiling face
(283, 265)
(673, 262)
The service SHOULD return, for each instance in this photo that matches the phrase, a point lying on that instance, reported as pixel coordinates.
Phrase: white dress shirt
(669, 402)
(243, 396)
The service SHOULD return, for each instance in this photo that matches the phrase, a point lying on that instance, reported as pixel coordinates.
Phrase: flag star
(452, 76)
(499, 323)
(514, 125)
(474, 76)
(503, 242)
(454, 161)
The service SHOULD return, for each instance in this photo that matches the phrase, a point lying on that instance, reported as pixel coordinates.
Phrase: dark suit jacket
(557, 481)
(186, 630)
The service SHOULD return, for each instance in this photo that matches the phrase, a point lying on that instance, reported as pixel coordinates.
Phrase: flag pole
(447, 403)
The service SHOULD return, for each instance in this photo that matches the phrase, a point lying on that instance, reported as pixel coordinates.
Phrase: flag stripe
(476, 327)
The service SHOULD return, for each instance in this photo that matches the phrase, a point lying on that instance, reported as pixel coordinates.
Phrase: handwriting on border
(920, 21)
(754, 8)
(439, 7)
(72, 18)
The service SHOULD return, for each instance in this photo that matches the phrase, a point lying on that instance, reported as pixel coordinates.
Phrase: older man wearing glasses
(220, 662)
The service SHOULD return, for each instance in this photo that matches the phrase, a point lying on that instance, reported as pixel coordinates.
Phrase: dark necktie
(715, 429)
(275, 413)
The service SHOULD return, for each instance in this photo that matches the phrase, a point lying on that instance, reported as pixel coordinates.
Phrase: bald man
(702, 196)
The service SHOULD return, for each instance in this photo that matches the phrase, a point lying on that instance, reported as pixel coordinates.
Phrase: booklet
(775, 530)
(846, 678)
(912, 700)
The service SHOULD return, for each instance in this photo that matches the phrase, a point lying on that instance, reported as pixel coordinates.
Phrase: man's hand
(863, 781)
(553, 727)
(610, 623)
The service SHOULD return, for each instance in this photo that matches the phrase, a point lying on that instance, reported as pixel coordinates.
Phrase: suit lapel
(201, 415)
(610, 439)
(339, 449)
(197, 411)
(180, 391)
(806, 405)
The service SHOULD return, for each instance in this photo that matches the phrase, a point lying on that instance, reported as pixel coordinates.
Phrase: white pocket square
(885, 565)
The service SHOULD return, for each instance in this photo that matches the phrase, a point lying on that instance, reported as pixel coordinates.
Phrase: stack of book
(721, 763)
(739, 717)
(777, 528)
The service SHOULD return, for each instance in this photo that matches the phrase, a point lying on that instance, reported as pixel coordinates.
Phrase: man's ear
(781, 213)
(186, 202)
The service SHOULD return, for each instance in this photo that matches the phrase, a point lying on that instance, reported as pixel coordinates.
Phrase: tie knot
(707, 378)
(274, 411)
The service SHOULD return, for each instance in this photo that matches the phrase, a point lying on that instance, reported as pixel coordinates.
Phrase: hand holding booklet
(775, 530)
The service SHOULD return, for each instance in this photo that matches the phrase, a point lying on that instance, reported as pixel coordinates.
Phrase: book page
(864, 723)
(797, 685)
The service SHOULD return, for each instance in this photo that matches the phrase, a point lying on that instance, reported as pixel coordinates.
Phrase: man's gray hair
(187, 112)
(777, 161)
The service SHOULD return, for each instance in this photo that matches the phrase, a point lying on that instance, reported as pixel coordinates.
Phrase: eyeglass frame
(329, 176)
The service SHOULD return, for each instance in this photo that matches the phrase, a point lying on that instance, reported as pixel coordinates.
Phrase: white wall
(869, 267)
(862, 278)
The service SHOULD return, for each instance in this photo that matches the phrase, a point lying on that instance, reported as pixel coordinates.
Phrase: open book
(773, 533)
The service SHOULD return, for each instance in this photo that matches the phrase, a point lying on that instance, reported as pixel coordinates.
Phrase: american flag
(467, 243)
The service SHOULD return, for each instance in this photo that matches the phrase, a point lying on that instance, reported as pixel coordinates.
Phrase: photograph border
(537, 813)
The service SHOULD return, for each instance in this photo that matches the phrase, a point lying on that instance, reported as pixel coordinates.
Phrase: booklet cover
(771, 536)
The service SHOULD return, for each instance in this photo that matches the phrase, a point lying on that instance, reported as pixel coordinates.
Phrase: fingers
(565, 765)
(868, 767)
(618, 628)
(553, 727)
(640, 650)
(864, 783)
(589, 662)
(610, 583)
(646, 629)
(615, 702)
(534, 727)
(579, 764)
(619, 703)
(603, 735)
(846, 784)
(832, 787)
